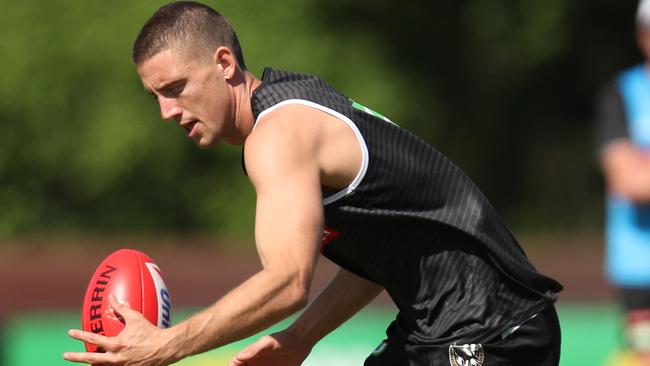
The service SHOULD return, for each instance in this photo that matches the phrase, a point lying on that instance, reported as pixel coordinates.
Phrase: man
(335, 177)
(623, 126)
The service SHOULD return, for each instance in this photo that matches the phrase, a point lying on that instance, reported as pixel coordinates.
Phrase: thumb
(122, 308)
(236, 362)
(254, 349)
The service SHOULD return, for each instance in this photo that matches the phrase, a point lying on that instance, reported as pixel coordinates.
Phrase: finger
(94, 358)
(245, 355)
(122, 308)
(89, 337)
(102, 342)
(255, 348)
(235, 362)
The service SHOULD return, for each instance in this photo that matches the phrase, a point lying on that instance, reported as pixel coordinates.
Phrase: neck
(243, 117)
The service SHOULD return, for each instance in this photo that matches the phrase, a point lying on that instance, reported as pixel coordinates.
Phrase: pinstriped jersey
(413, 222)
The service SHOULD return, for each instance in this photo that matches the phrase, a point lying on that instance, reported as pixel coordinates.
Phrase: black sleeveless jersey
(413, 222)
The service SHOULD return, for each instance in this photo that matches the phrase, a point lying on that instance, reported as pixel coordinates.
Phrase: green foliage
(83, 147)
(506, 88)
(503, 87)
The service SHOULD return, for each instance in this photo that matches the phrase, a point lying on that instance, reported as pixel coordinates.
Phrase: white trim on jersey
(364, 149)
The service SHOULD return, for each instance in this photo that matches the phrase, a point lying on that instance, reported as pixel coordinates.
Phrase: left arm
(343, 297)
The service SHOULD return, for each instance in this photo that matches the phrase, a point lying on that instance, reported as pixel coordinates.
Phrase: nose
(169, 108)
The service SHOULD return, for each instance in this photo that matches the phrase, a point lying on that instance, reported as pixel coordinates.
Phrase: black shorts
(534, 343)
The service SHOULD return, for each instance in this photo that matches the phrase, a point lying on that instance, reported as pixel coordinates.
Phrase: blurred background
(506, 89)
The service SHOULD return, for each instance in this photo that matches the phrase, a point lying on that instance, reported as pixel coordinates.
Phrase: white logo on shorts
(466, 355)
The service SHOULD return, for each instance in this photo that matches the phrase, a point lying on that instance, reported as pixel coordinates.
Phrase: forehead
(163, 67)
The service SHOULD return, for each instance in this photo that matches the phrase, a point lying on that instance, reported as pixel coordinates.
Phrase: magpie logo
(466, 355)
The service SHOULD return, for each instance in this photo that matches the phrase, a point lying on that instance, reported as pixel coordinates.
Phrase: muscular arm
(281, 162)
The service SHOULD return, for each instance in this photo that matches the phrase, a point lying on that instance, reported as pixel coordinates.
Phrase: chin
(205, 143)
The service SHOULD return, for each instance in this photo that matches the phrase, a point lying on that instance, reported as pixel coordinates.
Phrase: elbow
(297, 291)
(298, 298)
(291, 289)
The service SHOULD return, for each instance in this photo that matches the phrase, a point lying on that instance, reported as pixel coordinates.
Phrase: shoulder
(283, 139)
(290, 126)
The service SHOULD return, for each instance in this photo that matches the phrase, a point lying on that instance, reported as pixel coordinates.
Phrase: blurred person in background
(334, 177)
(623, 140)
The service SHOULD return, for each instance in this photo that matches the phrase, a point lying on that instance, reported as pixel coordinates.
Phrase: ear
(225, 60)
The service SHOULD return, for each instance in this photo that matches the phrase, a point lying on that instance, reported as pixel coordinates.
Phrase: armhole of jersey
(364, 149)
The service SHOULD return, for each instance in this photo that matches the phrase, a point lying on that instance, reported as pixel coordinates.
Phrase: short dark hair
(195, 25)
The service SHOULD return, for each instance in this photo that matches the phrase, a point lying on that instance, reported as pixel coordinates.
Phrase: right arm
(626, 168)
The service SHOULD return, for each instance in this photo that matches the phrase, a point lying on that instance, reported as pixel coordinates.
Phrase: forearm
(261, 301)
(343, 297)
(627, 170)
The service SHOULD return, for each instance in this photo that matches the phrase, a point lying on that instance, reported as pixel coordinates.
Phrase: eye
(174, 89)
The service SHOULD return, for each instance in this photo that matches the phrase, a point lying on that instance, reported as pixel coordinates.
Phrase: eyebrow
(170, 84)
(162, 87)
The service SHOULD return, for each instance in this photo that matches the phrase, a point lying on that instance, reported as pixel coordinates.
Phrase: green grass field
(589, 334)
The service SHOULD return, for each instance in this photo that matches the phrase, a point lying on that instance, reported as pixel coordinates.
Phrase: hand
(278, 349)
(139, 344)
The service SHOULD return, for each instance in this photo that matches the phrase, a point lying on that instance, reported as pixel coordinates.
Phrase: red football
(133, 278)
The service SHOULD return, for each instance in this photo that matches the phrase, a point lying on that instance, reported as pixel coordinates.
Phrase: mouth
(189, 126)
